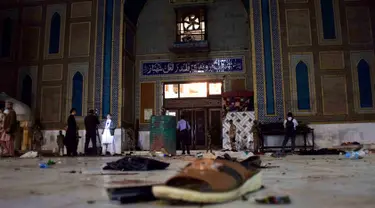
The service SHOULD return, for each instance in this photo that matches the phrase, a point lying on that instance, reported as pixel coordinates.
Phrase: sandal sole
(172, 193)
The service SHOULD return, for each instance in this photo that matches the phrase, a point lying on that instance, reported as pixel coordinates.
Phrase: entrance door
(197, 121)
(215, 125)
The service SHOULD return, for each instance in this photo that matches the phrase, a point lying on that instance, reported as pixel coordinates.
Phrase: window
(214, 88)
(193, 90)
(6, 41)
(364, 84)
(303, 89)
(171, 91)
(54, 35)
(26, 94)
(328, 19)
(191, 25)
(77, 93)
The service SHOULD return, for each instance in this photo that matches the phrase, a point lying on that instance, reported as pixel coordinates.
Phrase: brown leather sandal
(211, 181)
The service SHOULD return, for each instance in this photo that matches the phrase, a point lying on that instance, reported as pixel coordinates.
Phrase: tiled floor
(319, 181)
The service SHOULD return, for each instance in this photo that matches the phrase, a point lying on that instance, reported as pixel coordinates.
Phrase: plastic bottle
(43, 165)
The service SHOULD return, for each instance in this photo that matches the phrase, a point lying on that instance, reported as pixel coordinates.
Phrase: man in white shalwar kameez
(108, 143)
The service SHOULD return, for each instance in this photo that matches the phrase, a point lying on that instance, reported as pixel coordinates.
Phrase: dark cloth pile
(134, 163)
(323, 151)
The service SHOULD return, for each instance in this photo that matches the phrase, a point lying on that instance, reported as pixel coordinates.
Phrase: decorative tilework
(206, 66)
(116, 59)
(243, 122)
(259, 63)
(99, 55)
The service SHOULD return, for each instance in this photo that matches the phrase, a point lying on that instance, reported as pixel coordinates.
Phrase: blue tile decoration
(364, 84)
(107, 69)
(116, 59)
(277, 62)
(303, 87)
(99, 55)
(206, 66)
(259, 62)
(267, 50)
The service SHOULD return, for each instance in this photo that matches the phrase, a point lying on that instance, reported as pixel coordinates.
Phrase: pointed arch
(54, 34)
(26, 93)
(364, 84)
(303, 87)
(6, 41)
(77, 93)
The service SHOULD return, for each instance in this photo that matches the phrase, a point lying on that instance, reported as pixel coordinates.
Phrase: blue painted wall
(364, 84)
(6, 41)
(303, 88)
(328, 19)
(267, 46)
(106, 98)
(77, 93)
(54, 34)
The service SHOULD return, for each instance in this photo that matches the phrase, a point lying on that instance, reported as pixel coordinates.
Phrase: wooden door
(216, 128)
(197, 120)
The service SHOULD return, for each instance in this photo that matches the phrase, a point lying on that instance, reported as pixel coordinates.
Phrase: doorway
(197, 119)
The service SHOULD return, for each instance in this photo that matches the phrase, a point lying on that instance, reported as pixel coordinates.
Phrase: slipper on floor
(211, 181)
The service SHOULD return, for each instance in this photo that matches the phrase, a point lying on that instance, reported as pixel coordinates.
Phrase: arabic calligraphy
(207, 66)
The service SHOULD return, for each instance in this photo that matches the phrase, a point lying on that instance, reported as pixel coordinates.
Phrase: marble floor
(310, 181)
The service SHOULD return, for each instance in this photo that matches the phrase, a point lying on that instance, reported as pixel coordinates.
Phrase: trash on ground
(274, 200)
(134, 163)
(30, 154)
(43, 165)
(125, 195)
(355, 155)
(199, 155)
(51, 162)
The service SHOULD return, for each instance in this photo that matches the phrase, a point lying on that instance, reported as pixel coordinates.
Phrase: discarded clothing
(133, 163)
(323, 151)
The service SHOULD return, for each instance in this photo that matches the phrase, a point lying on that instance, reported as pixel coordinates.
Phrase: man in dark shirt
(91, 123)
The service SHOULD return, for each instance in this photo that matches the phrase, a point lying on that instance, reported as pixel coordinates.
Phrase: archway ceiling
(132, 8)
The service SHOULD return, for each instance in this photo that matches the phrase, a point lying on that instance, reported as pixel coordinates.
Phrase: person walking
(91, 125)
(108, 143)
(71, 134)
(290, 125)
(183, 129)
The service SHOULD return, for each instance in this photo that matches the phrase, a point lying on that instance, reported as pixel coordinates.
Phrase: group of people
(8, 128)
(71, 139)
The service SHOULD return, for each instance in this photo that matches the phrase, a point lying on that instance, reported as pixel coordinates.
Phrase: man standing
(91, 123)
(232, 135)
(183, 128)
(290, 125)
(10, 128)
(108, 142)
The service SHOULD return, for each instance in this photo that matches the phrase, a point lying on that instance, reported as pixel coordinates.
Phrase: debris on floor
(30, 154)
(274, 200)
(134, 163)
